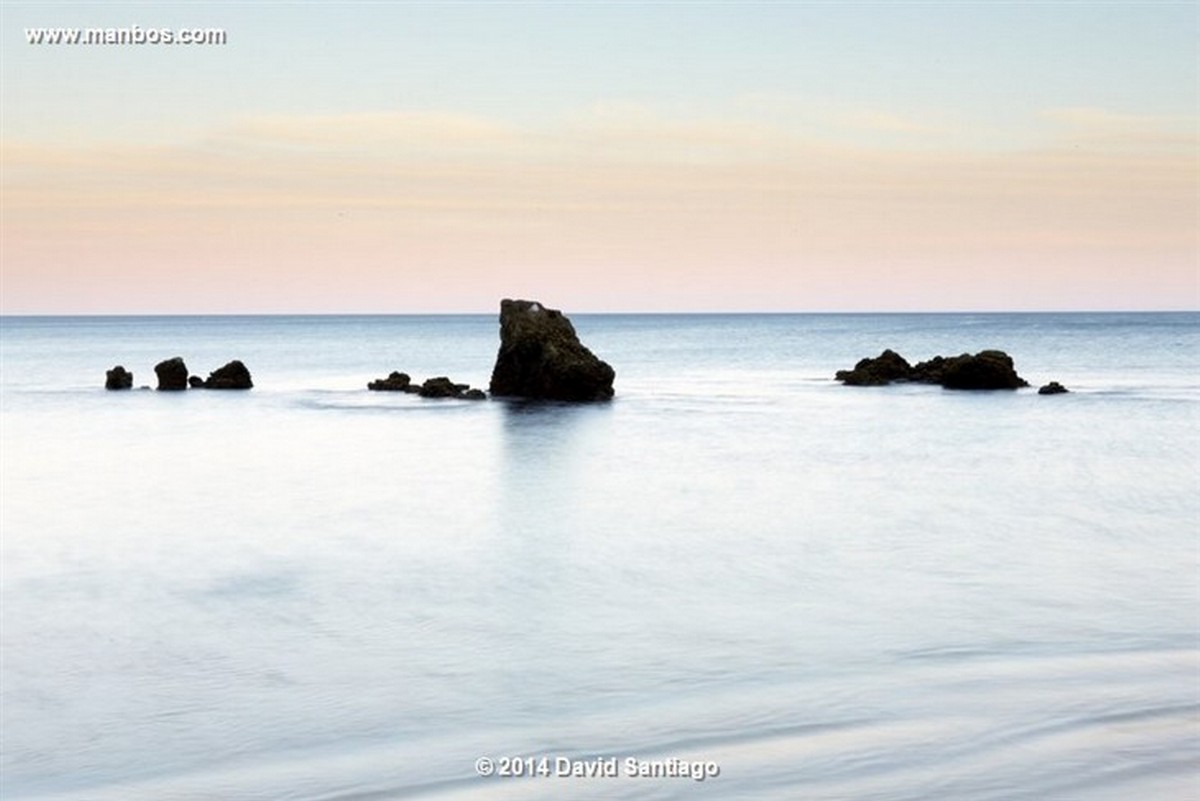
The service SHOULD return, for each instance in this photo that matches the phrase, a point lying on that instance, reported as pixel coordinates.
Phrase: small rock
(475, 394)
(1053, 388)
(196, 382)
(442, 387)
(395, 382)
(172, 375)
(118, 378)
(885, 368)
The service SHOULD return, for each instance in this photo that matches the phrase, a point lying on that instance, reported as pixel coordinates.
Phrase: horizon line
(675, 313)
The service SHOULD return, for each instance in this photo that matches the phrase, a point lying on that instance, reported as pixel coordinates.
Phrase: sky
(382, 157)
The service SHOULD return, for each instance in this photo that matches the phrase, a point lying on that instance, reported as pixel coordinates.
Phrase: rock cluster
(988, 369)
(118, 378)
(439, 387)
(173, 376)
(1053, 388)
(541, 357)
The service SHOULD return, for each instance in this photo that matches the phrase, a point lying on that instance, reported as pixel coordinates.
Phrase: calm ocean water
(312, 591)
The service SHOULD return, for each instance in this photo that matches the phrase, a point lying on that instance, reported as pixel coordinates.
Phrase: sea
(738, 579)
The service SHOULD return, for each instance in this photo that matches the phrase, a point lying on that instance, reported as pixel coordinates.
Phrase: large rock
(118, 378)
(172, 375)
(988, 369)
(541, 357)
(232, 376)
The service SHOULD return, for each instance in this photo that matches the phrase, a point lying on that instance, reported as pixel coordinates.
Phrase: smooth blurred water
(312, 591)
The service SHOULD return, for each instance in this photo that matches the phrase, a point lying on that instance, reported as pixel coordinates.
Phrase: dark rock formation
(196, 382)
(172, 375)
(232, 376)
(442, 387)
(118, 378)
(395, 382)
(541, 357)
(988, 369)
(1053, 388)
(885, 368)
(930, 371)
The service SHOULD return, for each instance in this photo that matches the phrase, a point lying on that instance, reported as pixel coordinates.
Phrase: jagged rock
(442, 387)
(172, 375)
(395, 382)
(475, 394)
(1053, 388)
(196, 382)
(232, 376)
(541, 357)
(885, 368)
(988, 369)
(118, 378)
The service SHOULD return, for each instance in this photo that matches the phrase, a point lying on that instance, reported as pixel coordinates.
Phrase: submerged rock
(395, 382)
(988, 369)
(541, 357)
(232, 376)
(172, 375)
(1053, 388)
(118, 378)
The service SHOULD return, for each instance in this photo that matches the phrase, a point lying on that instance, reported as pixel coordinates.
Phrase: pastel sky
(709, 156)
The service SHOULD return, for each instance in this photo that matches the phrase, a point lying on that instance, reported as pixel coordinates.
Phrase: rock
(439, 387)
(118, 378)
(395, 382)
(196, 382)
(232, 376)
(1053, 388)
(988, 369)
(930, 371)
(885, 368)
(442, 387)
(541, 357)
(172, 375)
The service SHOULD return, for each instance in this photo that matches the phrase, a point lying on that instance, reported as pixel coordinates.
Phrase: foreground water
(311, 591)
